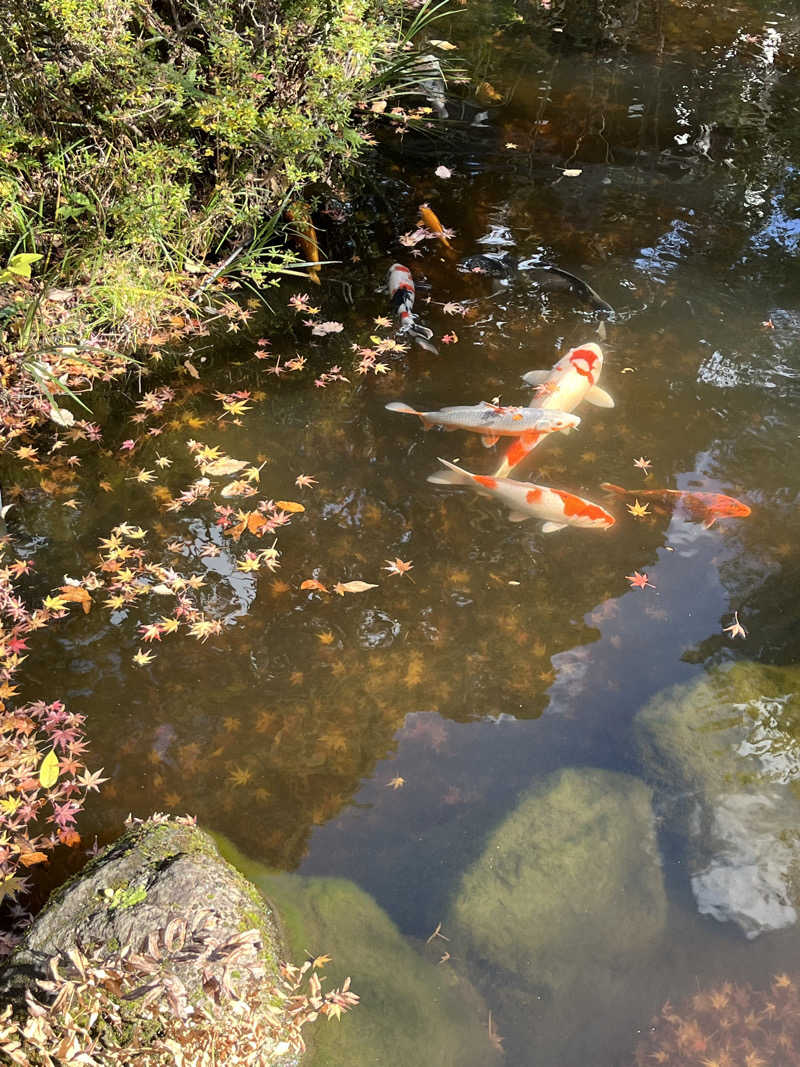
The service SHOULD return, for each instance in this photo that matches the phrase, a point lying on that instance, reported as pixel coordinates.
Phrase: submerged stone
(725, 751)
(569, 883)
(412, 1010)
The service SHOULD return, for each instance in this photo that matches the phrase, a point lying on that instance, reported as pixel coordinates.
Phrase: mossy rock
(735, 727)
(155, 872)
(571, 881)
(724, 752)
(411, 1010)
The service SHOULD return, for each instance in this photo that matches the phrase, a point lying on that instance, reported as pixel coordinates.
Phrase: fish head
(730, 507)
(583, 513)
(587, 361)
(564, 422)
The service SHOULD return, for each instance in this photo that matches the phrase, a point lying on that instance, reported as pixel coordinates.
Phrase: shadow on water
(504, 654)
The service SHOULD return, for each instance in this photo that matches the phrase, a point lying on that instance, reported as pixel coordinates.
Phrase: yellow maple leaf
(141, 659)
(637, 510)
(54, 603)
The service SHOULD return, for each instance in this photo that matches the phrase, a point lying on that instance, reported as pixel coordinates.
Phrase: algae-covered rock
(726, 751)
(411, 1011)
(569, 882)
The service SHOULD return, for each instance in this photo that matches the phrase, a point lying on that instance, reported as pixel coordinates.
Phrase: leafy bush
(161, 128)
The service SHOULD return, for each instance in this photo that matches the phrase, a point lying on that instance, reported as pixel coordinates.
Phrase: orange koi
(704, 508)
(307, 237)
(429, 219)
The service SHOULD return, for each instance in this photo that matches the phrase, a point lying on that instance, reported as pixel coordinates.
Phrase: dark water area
(504, 654)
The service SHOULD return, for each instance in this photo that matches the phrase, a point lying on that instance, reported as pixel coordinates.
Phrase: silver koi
(492, 421)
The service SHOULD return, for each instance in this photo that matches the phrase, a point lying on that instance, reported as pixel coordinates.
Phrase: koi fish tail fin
(398, 405)
(611, 488)
(452, 476)
(422, 335)
(404, 409)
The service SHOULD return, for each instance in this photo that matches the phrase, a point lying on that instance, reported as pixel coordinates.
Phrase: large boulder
(413, 1009)
(163, 890)
(725, 754)
(571, 881)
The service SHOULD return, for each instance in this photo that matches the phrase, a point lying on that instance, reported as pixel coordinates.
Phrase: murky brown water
(504, 653)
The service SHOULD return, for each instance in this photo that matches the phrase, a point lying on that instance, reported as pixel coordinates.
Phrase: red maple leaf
(638, 581)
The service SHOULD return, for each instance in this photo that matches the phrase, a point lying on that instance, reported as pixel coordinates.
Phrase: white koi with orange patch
(572, 380)
(556, 507)
(493, 421)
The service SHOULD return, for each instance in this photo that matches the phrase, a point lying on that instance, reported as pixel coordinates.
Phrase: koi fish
(307, 237)
(705, 508)
(572, 380)
(550, 279)
(528, 501)
(429, 218)
(492, 421)
(400, 283)
(546, 277)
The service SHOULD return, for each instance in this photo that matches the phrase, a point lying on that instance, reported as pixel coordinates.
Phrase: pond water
(505, 654)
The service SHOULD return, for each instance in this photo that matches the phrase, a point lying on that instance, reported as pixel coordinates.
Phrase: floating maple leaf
(643, 464)
(450, 338)
(638, 510)
(320, 329)
(396, 783)
(638, 581)
(443, 172)
(735, 629)
(398, 566)
(303, 480)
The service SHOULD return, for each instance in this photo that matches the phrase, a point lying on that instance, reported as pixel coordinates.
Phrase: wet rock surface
(725, 752)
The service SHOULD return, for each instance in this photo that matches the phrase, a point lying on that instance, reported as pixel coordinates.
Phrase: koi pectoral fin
(488, 439)
(599, 397)
(552, 527)
(518, 516)
(536, 377)
(709, 522)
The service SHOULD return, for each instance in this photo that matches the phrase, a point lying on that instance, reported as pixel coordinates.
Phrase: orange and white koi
(526, 500)
(400, 283)
(572, 380)
(704, 508)
(492, 421)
